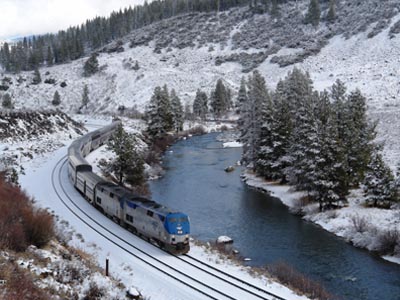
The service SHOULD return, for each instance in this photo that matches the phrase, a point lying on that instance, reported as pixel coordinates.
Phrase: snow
(223, 239)
(232, 145)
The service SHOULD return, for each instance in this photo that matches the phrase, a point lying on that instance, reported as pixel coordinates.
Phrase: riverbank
(377, 230)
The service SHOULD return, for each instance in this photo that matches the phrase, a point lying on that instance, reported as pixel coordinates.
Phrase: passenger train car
(168, 228)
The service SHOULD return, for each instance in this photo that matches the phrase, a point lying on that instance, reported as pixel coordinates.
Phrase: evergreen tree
(360, 133)
(50, 58)
(91, 66)
(36, 77)
(56, 99)
(200, 107)
(241, 102)
(128, 164)
(85, 96)
(252, 116)
(7, 102)
(158, 113)
(379, 185)
(314, 13)
(177, 111)
(220, 102)
(331, 15)
(275, 9)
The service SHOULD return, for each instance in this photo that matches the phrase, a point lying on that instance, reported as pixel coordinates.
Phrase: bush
(197, 130)
(360, 223)
(388, 241)
(94, 292)
(20, 223)
(7, 102)
(288, 276)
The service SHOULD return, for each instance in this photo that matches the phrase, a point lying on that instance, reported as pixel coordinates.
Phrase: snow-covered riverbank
(364, 227)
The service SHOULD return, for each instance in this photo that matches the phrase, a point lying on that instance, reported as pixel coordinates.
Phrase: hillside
(192, 51)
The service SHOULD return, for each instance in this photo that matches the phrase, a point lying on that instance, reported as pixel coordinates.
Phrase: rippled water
(218, 203)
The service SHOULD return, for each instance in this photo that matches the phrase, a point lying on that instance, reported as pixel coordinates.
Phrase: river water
(219, 203)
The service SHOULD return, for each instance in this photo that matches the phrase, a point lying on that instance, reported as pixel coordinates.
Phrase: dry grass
(360, 224)
(290, 277)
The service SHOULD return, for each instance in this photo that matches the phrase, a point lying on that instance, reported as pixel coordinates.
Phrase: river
(219, 203)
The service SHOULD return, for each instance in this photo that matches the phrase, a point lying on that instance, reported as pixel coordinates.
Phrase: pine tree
(91, 66)
(241, 102)
(220, 101)
(85, 96)
(331, 15)
(177, 111)
(50, 58)
(158, 113)
(128, 164)
(314, 13)
(252, 116)
(379, 185)
(7, 102)
(360, 133)
(36, 77)
(56, 99)
(200, 107)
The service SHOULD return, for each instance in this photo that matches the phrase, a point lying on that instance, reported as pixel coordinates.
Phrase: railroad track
(218, 281)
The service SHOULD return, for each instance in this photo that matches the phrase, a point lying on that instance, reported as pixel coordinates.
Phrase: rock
(229, 169)
(132, 293)
(223, 239)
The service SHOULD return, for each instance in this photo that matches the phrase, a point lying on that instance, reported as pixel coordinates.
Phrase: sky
(27, 17)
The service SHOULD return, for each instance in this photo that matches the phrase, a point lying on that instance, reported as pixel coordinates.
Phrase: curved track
(212, 284)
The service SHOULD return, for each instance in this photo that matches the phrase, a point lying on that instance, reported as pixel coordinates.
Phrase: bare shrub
(360, 224)
(94, 292)
(19, 285)
(288, 276)
(197, 130)
(388, 241)
(20, 223)
(39, 227)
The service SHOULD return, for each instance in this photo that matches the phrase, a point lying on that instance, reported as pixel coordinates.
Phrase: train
(168, 228)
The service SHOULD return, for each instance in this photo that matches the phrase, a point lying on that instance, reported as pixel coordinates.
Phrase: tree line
(76, 41)
(319, 142)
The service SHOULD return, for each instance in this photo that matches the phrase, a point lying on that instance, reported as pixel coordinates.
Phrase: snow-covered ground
(356, 223)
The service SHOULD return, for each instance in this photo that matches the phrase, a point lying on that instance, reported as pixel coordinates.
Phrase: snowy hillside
(192, 51)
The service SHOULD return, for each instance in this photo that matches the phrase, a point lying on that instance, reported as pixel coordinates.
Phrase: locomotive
(169, 229)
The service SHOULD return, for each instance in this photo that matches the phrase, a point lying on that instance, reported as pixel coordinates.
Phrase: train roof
(127, 196)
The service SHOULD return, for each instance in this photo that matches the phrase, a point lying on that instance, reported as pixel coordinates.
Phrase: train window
(98, 200)
(149, 213)
(172, 220)
(129, 218)
(111, 195)
(181, 220)
(162, 218)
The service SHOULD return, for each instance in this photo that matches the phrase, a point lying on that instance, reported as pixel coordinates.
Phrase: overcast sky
(28, 17)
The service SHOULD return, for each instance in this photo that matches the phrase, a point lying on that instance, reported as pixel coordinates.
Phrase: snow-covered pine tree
(91, 66)
(7, 101)
(166, 109)
(331, 15)
(56, 99)
(158, 113)
(36, 77)
(85, 96)
(303, 145)
(380, 187)
(200, 107)
(330, 173)
(177, 111)
(220, 102)
(314, 13)
(241, 103)
(252, 116)
(359, 138)
(128, 164)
